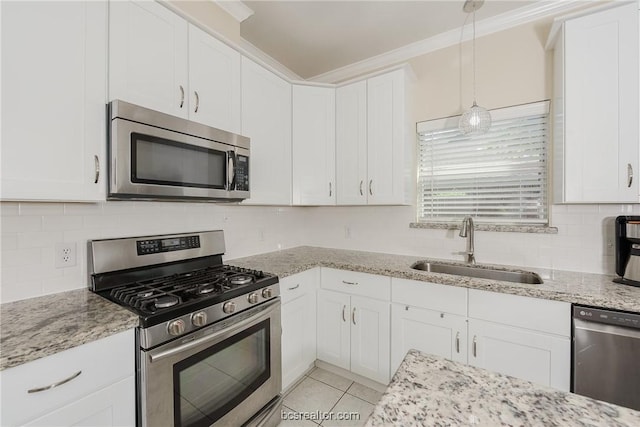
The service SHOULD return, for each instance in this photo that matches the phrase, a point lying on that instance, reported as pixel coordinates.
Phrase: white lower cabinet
(99, 389)
(298, 324)
(534, 356)
(354, 330)
(432, 332)
(524, 337)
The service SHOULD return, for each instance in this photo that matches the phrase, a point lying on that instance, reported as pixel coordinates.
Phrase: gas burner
(166, 301)
(205, 288)
(240, 279)
(145, 294)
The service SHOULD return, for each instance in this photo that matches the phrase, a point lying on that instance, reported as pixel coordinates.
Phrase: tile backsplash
(30, 232)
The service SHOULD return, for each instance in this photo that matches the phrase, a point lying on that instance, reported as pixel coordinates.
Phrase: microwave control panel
(242, 173)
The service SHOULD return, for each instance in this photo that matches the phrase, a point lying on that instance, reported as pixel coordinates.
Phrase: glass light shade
(476, 120)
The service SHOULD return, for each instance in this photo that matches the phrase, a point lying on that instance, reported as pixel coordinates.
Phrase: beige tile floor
(331, 394)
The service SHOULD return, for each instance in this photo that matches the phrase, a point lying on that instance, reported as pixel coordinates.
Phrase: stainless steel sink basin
(479, 272)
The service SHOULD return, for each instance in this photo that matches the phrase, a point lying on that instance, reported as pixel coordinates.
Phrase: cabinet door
(53, 100)
(266, 119)
(601, 106)
(334, 328)
(385, 136)
(432, 332)
(533, 356)
(214, 82)
(112, 406)
(351, 144)
(298, 337)
(148, 56)
(313, 145)
(370, 335)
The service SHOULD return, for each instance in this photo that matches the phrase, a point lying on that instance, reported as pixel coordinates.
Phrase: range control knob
(176, 327)
(252, 298)
(199, 318)
(229, 307)
(267, 293)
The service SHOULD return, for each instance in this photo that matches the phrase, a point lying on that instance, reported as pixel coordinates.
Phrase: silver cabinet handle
(344, 317)
(353, 315)
(371, 187)
(629, 175)
(295, 287)
(181, 96)
(330, 190)
(361, 182)
(50, 386)
(96, 161)
(475, 347)
(197, 101)
(349, 283)
(458, 342)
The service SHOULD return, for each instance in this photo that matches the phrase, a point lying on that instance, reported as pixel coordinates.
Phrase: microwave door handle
(231, 170)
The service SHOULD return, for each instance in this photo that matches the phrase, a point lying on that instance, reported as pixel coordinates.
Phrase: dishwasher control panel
(607, 316)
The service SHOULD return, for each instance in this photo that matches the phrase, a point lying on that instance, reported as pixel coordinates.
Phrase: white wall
(584, 232)
(31, 230)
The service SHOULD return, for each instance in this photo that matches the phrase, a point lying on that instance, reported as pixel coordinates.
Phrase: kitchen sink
(479, 272)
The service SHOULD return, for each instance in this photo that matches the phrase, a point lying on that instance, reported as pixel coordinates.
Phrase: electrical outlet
(66, 254)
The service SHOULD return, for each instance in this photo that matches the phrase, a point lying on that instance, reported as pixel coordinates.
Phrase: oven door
(220, 375)
(148, 162)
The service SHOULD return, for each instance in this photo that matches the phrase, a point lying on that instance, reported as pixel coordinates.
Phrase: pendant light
(476, 120)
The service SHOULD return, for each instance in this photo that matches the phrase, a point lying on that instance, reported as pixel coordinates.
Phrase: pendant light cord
(474, 55)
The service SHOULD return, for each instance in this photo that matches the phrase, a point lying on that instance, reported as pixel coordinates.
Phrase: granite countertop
(428, 390)
(38, 327)
(579, 288)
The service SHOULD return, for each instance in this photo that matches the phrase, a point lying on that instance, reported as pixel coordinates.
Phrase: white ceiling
(314, 37)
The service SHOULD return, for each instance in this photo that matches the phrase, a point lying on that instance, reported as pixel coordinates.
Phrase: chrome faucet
(466, 230)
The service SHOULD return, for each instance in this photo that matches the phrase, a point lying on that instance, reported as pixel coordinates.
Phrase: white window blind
(499, 177)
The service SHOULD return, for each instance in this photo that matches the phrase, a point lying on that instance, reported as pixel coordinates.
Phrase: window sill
(514, 228)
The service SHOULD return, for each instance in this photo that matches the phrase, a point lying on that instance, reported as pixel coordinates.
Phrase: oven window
(211, 383)
(161, 161)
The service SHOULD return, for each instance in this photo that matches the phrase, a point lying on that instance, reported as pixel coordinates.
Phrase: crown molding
(267, 61)
(235, 8)
(504, 21)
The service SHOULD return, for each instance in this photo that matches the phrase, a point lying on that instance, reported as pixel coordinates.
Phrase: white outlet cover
(66, 254)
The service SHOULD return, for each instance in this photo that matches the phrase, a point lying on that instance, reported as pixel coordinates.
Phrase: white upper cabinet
(53, 100)
(148, 56)
(214, 82)
(386, 138)
(314, 145)
(596, 110)
(160, 61)
(266, 119)
(371, 140)
(351, 144)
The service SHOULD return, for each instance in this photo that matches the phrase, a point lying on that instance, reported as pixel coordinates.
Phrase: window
(499, 177)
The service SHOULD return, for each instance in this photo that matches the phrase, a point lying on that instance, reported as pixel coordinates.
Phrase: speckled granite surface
(431, 391)
(579, 288)
(38, 327)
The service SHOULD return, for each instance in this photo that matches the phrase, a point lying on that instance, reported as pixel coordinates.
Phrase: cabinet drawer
(291, 287)
(449, 299)
(553, 317)
(101, 363)
(354, 283)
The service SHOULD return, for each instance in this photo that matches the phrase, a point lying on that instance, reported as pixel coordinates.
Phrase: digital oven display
(155, 246)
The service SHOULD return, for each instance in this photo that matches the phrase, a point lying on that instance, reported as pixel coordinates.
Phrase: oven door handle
(267, 308)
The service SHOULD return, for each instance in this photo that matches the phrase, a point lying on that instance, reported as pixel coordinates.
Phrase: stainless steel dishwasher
(606, 355)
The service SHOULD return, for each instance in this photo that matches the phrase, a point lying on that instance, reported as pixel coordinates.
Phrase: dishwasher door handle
(604, 328)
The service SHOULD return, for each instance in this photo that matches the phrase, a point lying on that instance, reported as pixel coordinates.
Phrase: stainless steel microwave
(156, 156)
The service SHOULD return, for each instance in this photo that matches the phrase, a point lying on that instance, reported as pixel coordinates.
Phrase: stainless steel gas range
(208, 344)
